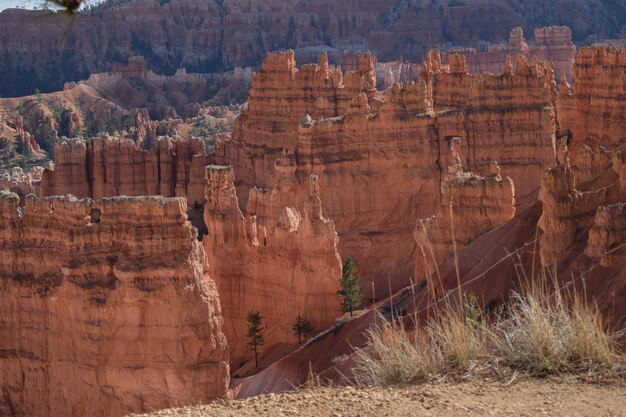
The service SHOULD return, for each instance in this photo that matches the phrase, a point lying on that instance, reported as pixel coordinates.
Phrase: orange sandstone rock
(595, 112)
(105, 167)
(552, 44)
(470, 206)
(591, 174)
(278, 259)
(107, 308)
(379, 158)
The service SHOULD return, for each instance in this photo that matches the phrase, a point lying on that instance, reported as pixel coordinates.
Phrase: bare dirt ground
(528, 397)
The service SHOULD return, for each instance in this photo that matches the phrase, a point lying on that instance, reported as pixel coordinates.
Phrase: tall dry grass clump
(553, 331)
(449, 341)
(541, 331)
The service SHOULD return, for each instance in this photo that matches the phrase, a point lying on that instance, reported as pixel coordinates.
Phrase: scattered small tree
(255, 333)
(350, 287)
(301, 327)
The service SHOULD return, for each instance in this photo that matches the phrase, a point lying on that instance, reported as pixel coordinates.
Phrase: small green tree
(48, 138)
(301, 327)
(350, 287)
(255, 333)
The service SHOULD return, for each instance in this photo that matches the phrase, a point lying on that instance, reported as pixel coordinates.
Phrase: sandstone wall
(107, 308)
(583, 196)
(509, 118)
(380, 158)
(552, 43)
(105, 167)
(595, 111)
(607, 237)
(279, 259)
(470, 207)
(582, 192)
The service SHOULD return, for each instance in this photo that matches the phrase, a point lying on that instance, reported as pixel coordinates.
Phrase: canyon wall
(111, 166)
(107, 308)
(215, 35)
(592, 117)
(470, 206)
(509, 117)
(279, 259)
(583, 198)
(595, 111)
(552, 43)
(299, 259)
(380, 158)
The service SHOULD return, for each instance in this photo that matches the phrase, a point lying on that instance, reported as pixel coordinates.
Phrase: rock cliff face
(552, 44)
(590, 178)
(470, 206)
(582, 226)
(211, 36)
(492, 114)
(570, 209)
(380, 158)
(278, 259)
(595, 111)
(107, 308)
(106, 167)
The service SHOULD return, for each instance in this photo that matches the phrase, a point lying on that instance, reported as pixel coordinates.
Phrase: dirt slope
(530, 397)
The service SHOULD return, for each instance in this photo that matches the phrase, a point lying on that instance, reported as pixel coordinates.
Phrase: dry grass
(540, 331)
(550, 332)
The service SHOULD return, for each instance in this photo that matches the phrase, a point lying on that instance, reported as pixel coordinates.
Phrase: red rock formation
(589, 176)
(22, 137)
(570, 209)
(595, 112)
(20, 182)
(607, 237)
(69, 125)
(107, 308)
(105, 167)
(478, 106)
(552, 44)
(135, 68)
(470, 206)
(280, 260)
(144, 132)
(379, 158)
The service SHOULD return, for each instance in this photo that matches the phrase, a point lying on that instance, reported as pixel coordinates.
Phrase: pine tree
(301, 327)
(255, 333)
(350, 287)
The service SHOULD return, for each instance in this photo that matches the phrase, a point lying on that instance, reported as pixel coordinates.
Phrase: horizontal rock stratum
(381, 158)
(107, 308)
(111, 306)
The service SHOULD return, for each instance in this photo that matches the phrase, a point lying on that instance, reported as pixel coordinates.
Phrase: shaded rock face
(210, 36)
(590, 178)
(583, 198)
(582, 225)
(552, 43)
(107, 308)
(470, 206)
(111, 166)
(278, 259)
(380, 158)
(571, 208)
(595, 111)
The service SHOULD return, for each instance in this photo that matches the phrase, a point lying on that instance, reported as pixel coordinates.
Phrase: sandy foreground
(530, 397)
